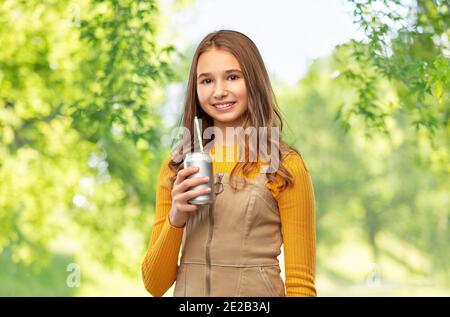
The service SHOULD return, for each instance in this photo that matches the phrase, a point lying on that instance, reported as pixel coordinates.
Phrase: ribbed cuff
(172, 235)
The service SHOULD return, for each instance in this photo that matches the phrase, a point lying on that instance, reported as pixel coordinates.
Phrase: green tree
(79, 133)
(408, 44)
(369, 188)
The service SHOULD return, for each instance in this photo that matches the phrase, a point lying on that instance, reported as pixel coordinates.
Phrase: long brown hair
(263, 110)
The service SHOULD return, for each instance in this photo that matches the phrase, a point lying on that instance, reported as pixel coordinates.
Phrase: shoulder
(165, 172)
(294, 163)
(167, 159)
(165, 163)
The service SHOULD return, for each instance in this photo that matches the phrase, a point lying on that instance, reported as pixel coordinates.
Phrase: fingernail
(206, 178)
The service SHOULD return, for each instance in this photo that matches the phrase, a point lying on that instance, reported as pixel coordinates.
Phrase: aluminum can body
(204, 162)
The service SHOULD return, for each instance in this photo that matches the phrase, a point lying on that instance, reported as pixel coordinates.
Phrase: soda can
(204, 162)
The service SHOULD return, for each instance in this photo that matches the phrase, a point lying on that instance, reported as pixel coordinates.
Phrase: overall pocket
(273, 280)
(267, 282)
(260, 281)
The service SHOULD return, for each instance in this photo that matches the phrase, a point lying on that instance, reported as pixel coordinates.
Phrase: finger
(192, 182)
(194, 193)
(189, 208)
(185, 172)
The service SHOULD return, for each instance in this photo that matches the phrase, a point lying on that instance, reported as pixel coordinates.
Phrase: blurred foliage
(82, 84)
(408, 44)
(79, 139)
(368, 187)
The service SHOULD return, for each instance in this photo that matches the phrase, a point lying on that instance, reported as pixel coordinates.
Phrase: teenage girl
(233, 250)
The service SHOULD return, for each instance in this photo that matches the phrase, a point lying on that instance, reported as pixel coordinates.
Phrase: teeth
(223, 106)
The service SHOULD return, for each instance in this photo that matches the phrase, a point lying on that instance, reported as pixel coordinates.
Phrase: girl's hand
(181, 209)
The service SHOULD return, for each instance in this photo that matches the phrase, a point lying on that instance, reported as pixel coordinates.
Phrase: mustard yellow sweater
(297, 213)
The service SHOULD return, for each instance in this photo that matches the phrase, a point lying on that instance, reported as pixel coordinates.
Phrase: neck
(223, 139)
(225, 142)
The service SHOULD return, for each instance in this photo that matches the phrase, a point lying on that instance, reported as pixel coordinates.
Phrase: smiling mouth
(223, 107)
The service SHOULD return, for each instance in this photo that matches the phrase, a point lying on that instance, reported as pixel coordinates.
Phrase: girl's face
(221, 87)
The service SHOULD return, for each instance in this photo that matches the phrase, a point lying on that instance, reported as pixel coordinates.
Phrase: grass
(344, 271)
(22, 280)
(349, 271)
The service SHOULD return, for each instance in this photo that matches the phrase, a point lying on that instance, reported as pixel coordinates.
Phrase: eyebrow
(227, 72)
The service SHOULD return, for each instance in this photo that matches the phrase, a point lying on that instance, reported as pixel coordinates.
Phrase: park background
(91, 90)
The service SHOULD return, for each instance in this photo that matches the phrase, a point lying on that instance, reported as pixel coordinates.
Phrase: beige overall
(232, 249)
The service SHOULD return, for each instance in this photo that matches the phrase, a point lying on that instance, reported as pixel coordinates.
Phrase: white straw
(199, 135)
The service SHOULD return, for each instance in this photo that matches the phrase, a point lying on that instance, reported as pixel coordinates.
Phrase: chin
(226, 118)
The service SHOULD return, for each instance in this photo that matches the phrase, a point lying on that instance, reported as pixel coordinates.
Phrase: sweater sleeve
(160, 265)
(297, 212)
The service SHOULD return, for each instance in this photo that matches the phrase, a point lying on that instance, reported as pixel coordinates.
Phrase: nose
(220, 90)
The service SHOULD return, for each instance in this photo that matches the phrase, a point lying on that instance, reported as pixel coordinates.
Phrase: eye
(207, 81)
